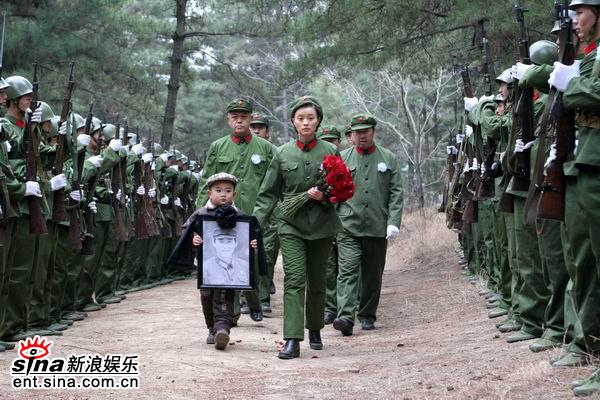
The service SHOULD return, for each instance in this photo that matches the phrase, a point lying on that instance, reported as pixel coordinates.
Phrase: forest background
(170, 66)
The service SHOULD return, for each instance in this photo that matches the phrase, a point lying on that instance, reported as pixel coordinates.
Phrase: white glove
(127, 201)
(459, 138)
(58, 182)
(84, 139)
(116, 145)
(32, 189)
(521, 147)
(177, 202)
(475, 165)
(119, 195)
(486, 98)
(513, 71)
(576, 144)
(75, 195)
(164, 157)
(7, 146)
(482, 170)
(466, 167)
(153, 166)
(62, 130)
(470, 102)
(552, 156)
(147, 157)
(36, 117)
(164, 200)
(138, 149)
(152, 193)
(468, 130)
(141, 191)
(522, 69)
(392, 232)
(562, 75)
(196, 175)
(451, 150)
(92, 206)
(96, 161)
(174, 167)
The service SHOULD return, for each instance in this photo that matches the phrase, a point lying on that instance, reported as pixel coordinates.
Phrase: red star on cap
(361, 119)
(304, 97)
(325, 130)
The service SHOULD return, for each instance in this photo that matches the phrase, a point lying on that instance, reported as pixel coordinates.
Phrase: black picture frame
(241, 272)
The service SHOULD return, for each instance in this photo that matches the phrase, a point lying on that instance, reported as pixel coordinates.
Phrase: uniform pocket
(224, 159)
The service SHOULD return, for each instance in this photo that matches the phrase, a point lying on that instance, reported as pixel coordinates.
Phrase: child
(217, 304)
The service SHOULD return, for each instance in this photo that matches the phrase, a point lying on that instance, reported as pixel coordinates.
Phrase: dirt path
(433, 340)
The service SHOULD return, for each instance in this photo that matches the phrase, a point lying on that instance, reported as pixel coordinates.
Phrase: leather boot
(210, 339)
(314, 340)
(290, 350)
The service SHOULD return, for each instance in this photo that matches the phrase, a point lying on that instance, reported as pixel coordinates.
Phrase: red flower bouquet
(335, 183)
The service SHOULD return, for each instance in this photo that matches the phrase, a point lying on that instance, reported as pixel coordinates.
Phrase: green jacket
(247, 161)
(378, 198)
(292, 171)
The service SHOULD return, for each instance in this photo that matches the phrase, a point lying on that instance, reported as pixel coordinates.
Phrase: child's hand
(197, 240)
(254, 244)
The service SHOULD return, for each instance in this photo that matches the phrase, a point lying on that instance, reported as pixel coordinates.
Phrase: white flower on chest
(382, 167)
(255, 159)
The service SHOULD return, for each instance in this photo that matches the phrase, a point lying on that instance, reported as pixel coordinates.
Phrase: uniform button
(366, 191)
(307, 162)
(241, 167)
(366, 206)
(366, 166)
(366, 179)
(243, 192)
(308, 177)
(242, 153)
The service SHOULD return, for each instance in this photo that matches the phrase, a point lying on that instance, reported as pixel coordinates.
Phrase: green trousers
(361, 259)
(152, 264)
(556, 279)
(271, 245)
(43, 278)
(21, 263)
(107, 252)
(304, 282)
(504, 281)
(582, 219)
(57, 293)
(130, 266)
(487, 250)
(533, 292)
(5, 241)
(332, 277)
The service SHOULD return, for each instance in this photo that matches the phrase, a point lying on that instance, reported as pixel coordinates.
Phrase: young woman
(306, 238)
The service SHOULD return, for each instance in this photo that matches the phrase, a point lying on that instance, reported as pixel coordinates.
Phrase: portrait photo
(226, 260)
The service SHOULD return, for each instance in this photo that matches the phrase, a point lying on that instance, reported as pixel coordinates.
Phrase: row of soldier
(88, 213)
(535, 236)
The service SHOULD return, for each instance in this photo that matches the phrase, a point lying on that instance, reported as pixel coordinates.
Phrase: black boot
(290, 350)
(314, 340)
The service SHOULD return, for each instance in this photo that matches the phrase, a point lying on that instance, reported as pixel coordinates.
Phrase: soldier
(247, 157)
(260, 126)
(305, 238)
(369, 219)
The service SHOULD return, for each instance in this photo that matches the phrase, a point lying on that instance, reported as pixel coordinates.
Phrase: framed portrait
(225, 259)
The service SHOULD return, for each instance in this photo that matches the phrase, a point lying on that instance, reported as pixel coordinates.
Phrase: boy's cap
(239, 105)
(220, 177)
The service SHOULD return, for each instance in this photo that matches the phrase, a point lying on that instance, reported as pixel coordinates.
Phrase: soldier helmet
(185, 159)
(3, 84)
(108, 131)
(55, 120)
(79, 121)
(177, 154)
(505, 77)
(157, 149)
(47, 113)
(499, 99)
(543, 52)
(96, 124)
(133, 138)
(193, 165)
(19, 86)
(576, 3)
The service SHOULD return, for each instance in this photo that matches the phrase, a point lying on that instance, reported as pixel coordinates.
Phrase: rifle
(450, 160)
(59, 211)
(2, 42)
(524, 128)
(486, 187)
(148, 183)
(115, 178)
(176, 210)
(470, 212)
(37, 222)
(87, 245)
(141, 214)
(552, 199)
(129, 229)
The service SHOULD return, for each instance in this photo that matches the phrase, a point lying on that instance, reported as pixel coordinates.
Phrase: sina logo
(32, 353)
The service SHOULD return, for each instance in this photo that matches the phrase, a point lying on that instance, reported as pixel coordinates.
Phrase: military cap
(133, 138)
(177, 154)
(239, 105)
(193, 165)
(221, 177)
(225, 232)
(79, 121)
(18, 86)
(185, 159)
(329, 133)
(96, 124)
(306, 101)
(54, 129)
(362, 121)
(108, 131)
(157, 149)
(259, 119)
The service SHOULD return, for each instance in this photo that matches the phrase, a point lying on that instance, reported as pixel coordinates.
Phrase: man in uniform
(245, 156)
(369, 219)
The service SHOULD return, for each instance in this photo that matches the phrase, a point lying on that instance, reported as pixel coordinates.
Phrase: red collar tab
(363, 152)
(306, 146)
(241, 139)
(536, 95)
(590, 47)
(20, 123)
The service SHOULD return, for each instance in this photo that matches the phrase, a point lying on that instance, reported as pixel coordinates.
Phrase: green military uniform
(377, 203)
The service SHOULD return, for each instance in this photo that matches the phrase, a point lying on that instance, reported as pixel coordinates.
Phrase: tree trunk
(173, 86)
